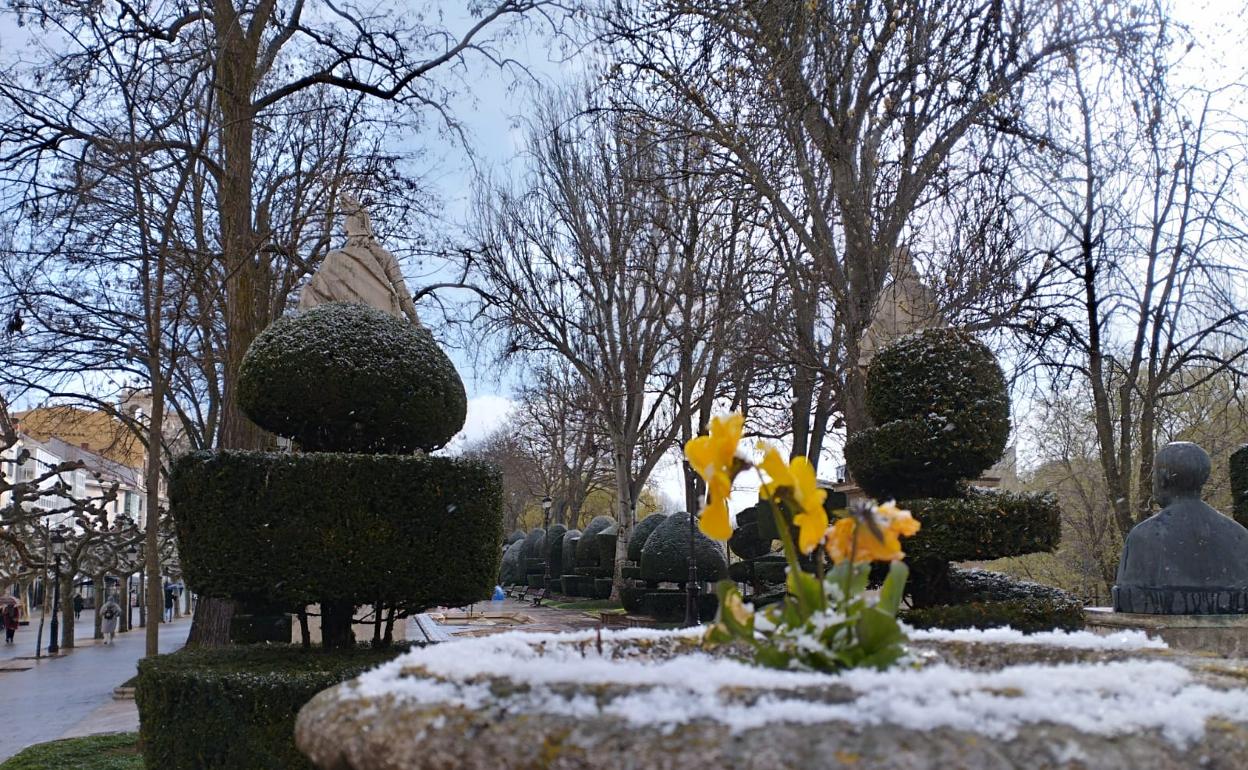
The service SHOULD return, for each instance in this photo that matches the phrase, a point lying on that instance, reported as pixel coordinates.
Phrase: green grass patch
(118, 751)
(595, 605)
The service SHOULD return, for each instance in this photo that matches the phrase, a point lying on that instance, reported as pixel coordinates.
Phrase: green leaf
(808, 591)
(893, 588)
(877, 630)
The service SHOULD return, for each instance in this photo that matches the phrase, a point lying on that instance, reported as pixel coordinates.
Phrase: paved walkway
(55, 695)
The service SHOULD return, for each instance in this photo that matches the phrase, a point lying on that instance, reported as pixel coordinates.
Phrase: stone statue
(905, 305)
(361, 271)
(1188, 559)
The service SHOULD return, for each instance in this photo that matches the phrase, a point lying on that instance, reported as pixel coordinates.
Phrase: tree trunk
(246, 311)
(155, 430)
(336, 631)
(67, 611)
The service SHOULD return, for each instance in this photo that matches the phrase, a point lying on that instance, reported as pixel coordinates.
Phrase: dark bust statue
(1188, 559)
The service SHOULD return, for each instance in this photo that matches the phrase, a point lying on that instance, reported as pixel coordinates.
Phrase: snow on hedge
(1110, 698)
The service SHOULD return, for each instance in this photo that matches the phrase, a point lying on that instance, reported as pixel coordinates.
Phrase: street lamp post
(546, 505)
(132, 561)
(58, 547)
(691, 584)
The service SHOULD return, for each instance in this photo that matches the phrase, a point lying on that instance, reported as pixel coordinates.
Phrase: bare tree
(850, 119)
(580, 265)
(1135, 203)
(247, 64)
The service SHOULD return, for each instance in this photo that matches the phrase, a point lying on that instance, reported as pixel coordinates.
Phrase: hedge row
(235, 707)
(1026, 615)
(988, 599)
(984, 525)
(294, 529)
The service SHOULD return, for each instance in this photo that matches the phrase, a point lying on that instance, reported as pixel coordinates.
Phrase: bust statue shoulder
(1187, 559)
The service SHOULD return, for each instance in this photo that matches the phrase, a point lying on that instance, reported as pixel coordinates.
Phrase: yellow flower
(798, 477)
(714, 458)
(893, 524)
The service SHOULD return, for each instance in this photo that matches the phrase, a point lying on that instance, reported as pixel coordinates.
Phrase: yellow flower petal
(714, 522)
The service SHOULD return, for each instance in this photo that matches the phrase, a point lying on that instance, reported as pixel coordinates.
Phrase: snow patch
(1113, 698)
(1079, 640)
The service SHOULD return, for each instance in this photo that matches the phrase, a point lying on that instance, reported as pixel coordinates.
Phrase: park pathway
(50, 698)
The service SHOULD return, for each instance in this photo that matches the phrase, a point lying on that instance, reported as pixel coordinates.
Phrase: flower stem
(786, 537)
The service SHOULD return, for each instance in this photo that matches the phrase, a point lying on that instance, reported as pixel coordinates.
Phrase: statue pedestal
(1222, 635)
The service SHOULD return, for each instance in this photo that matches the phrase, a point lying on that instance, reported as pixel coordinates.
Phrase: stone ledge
(1221, 635)
(627, 700)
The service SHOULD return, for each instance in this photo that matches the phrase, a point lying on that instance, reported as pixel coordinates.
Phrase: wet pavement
(42, 700)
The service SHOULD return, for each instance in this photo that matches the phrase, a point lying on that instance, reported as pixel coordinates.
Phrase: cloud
(485, 415)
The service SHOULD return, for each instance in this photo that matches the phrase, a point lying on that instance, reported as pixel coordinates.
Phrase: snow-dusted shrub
(345, 377)
(665, 554)
(641, 533)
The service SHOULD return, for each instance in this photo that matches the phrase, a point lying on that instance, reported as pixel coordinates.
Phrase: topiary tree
(664, 557)
(512, 570)
(286, 530)
(941, 412)
(588, 555)
(348, 378)
(514, 537)
(941, 408)
(641, 533)
(1239, 484)
(552, 551)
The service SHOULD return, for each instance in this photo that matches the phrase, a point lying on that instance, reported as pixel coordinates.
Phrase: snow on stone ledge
(1109, 698)
(1079, 640)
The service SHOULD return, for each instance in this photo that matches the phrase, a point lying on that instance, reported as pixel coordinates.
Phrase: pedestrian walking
(169, 604)
(77, 606)
(8, 617)
(111, 614)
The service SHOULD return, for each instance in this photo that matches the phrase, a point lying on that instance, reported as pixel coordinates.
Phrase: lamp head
(547, 503)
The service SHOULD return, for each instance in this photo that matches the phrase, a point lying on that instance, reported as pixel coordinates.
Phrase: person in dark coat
(8, 618)
(77, 606)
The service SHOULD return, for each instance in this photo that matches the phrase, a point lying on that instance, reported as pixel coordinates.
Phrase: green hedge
(941, 410)
(665, 556)
(669, 606)
(587, 553)
(746, 541)
(1239, 484)
(511, 571)
(295, 529)
(983, 525)
(1027, 615)
(552, 550)
(235, 707)
(641, 533)
(346, 377)
(534, 542)
(986, 599)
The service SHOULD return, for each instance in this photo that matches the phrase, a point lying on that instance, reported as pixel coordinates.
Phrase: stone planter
(645, 699)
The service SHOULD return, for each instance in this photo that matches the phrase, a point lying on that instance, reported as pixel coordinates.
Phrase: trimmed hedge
(746, 542)
(296, 529)
(552, 550)
(533, 544)
(641, 532)
(587, 554)
(765, 569)
(983, 525)
(512, 570)
(669, 606)
(987, 599)
(666, 552)
(346, 377)
(606, 542)
(239, 703)
(942, 415)
(571, 539)
(1027, 615)
(1239, 484)
(633, 596)
(515, 537)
